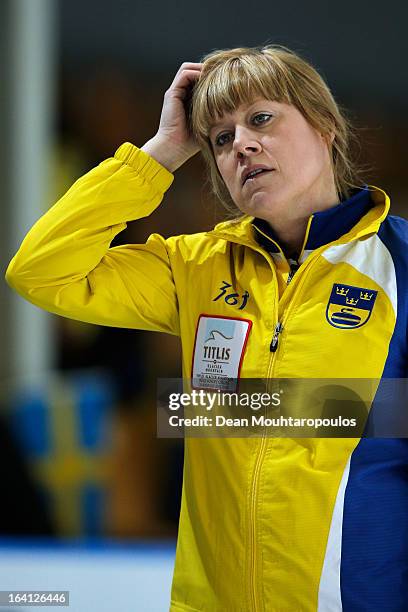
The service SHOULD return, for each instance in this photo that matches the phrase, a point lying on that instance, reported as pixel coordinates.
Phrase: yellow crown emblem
(342, 291)
(366, 296)
(351, 301)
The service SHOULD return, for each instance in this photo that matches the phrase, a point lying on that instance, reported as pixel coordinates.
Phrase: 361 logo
(231, 298)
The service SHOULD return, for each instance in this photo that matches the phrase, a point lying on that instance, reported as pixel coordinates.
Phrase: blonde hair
(235, 76)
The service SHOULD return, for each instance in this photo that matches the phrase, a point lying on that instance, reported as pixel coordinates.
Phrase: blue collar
(326, 225)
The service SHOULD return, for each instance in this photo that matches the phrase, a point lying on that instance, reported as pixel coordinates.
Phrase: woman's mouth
(255, 174)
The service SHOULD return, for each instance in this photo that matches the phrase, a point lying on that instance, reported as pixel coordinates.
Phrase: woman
(307, 283)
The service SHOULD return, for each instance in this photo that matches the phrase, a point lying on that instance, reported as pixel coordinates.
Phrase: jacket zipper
(258, 467)
(279, 327)
(293, 268)
(254, 499)
(275, 338)
(261, 453)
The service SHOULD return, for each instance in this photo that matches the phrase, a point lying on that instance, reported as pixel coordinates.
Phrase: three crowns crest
(364, 295)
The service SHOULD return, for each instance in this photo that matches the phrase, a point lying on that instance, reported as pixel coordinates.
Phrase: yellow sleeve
(65, 265)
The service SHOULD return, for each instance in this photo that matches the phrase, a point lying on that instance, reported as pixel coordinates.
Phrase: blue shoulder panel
(374, 563)
(394, 234)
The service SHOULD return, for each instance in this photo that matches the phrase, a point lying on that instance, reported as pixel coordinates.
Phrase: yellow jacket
(261, 518)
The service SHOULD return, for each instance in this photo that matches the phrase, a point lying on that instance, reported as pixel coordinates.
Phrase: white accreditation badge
(218, 352)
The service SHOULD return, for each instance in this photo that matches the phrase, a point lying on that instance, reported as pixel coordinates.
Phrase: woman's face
(273, 161)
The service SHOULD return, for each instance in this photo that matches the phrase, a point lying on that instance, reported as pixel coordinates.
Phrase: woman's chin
(260, 204)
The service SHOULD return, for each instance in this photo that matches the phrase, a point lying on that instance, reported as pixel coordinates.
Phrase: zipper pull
(274, 343)
(293, 268)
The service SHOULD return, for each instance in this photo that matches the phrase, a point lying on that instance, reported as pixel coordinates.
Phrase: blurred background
(84, 475)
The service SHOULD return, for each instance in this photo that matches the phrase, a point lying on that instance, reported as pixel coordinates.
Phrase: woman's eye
(222, 139)
(261, 118)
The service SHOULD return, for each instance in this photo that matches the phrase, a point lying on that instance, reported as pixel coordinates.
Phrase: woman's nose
(245, 142)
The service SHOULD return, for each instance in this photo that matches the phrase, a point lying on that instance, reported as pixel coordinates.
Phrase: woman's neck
(291, 231)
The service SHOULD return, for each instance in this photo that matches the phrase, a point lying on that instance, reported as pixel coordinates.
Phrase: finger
(190, 65)
(187, 67)
(183, 81)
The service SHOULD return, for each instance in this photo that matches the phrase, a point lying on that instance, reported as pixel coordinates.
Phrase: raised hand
(173, 143)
